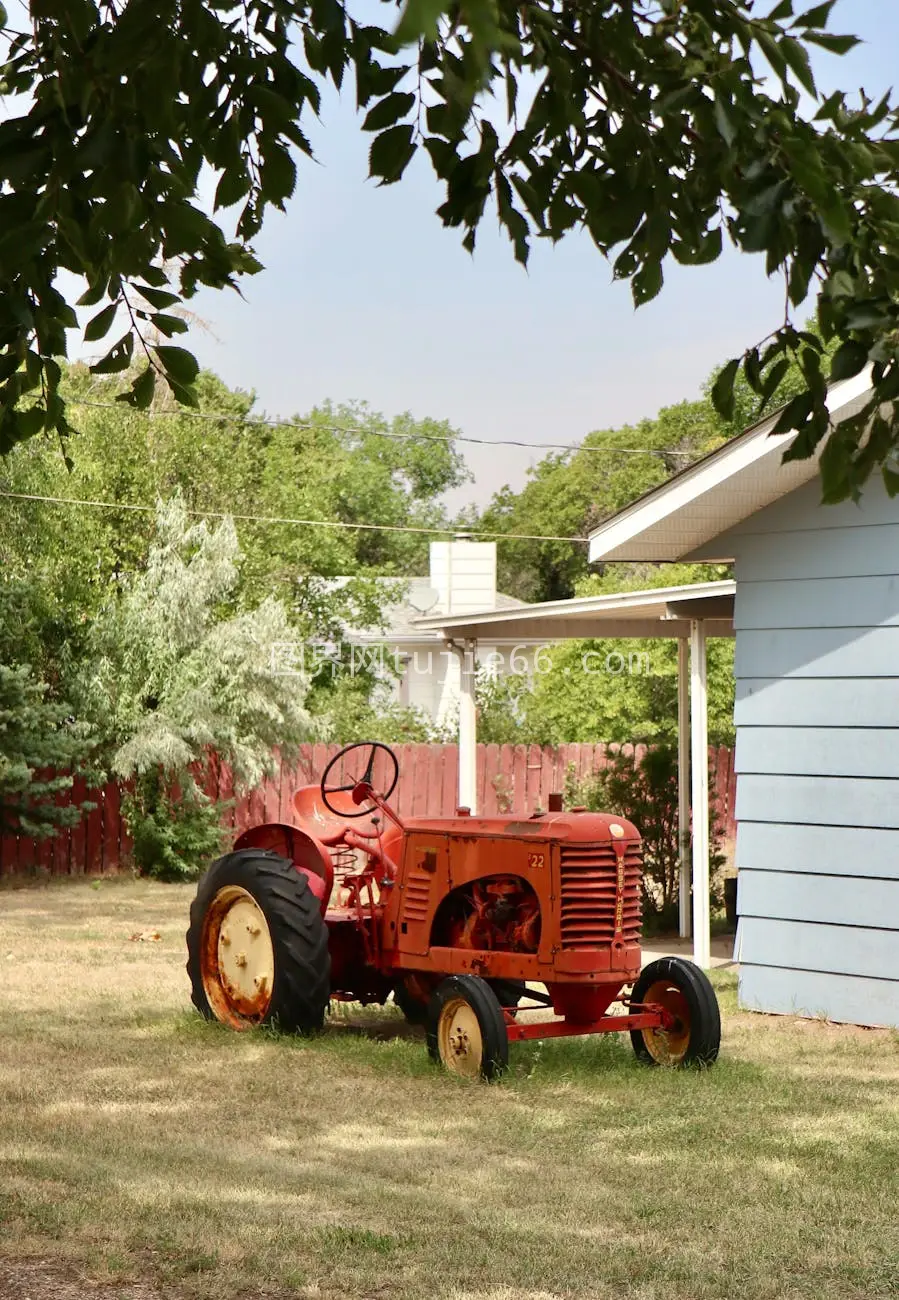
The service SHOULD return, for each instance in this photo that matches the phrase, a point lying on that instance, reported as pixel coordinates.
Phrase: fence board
(450, 788)
(533, 774)
(495, 779)
(519, 779)
(93, 833)
(112, 828)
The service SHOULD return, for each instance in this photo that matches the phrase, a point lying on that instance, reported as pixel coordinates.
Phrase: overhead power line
(216, 416)
(305, 523)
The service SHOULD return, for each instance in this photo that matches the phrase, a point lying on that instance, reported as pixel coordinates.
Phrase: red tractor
(465, 920)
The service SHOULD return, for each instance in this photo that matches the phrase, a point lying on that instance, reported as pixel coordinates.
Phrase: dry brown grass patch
(142, 1148)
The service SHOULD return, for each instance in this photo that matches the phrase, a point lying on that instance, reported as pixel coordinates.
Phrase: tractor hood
(573, 827)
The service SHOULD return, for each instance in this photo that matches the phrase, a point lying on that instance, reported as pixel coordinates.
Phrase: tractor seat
(319, 820)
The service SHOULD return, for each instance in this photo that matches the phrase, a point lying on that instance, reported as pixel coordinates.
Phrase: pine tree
(40, 748)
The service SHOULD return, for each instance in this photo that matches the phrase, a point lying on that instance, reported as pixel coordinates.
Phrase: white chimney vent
(464, 573)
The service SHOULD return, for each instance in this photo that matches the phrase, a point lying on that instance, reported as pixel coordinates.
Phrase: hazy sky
(366, 296)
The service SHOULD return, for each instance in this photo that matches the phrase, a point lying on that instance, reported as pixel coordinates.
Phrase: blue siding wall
(817, 713)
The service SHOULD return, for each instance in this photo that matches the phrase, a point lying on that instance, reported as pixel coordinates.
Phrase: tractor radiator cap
(463, 811)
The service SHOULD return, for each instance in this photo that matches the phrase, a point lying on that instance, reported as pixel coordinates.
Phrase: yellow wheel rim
(459, 1039)
(237, 959)
(668, 1046)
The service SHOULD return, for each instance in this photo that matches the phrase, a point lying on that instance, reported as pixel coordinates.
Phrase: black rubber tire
(486, 1007)
(301, 986)
(705, 1017)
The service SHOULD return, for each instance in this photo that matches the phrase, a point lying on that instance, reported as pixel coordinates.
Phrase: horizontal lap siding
(818, 850)
(820, 602)
(828, 949)
(803, 702)
(819, 652)
(829, 900)
(817, 713)
(819, 751)
(845, 998)
(817, 801)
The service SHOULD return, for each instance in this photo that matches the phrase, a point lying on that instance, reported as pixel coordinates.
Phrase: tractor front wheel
(257, 946)
(684, 991)
(466, 1028)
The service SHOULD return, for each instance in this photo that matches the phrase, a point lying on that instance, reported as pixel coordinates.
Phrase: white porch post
(468, 727)
(683, 784)
(699, 727)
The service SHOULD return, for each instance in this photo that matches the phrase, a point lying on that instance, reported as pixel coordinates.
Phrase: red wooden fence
(511, 779)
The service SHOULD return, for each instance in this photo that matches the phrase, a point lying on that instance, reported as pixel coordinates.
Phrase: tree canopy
(666, 128)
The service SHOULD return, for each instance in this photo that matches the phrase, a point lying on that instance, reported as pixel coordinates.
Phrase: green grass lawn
(144, 1153)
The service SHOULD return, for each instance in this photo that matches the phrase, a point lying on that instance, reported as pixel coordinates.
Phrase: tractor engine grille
(589, 874)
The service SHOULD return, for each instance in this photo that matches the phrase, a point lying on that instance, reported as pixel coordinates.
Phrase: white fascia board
(680, 492)
(656, 599)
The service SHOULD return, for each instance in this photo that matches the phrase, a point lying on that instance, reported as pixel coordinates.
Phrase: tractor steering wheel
(365, 779)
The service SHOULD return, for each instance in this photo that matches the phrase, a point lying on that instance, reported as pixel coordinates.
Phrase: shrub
(176, 835)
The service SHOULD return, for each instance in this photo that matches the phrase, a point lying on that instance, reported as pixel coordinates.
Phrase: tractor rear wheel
(685, 991)
(257, 946)
(466, 1028)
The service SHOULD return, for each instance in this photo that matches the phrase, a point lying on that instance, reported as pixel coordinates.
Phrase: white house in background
(816, 619)
(462, 580)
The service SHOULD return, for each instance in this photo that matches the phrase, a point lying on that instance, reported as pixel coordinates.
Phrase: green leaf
(780, 11)
(647, 283)
(818, 16)
(794, 414)
(890, 480)
(183, 393)
(389, 110)
(848, 360)
(796, 57)
(179, 364)
(140, 395)
(30, 422)
(723, 390)
(840, 285)
(391, 153)
(98, 326)
(94, 294)
(772, 380)
(233, 185)
(117, 358)
(418, 19)
(159, 298)
(727, 128)
(835, 44)
(279, 174)
(169, 325)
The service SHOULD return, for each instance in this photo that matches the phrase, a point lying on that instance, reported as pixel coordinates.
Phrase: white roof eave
(656, 612)
(718, 492)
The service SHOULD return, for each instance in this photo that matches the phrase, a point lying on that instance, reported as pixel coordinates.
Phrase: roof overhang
(710, 497)
(663, 612)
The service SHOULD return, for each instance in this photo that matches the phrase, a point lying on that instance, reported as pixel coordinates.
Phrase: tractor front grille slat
(589, 895)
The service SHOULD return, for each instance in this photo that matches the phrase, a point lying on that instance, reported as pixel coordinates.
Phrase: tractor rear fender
(307, 854)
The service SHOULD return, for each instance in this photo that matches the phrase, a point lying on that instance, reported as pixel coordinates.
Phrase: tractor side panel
(474, 858)
(424, 882)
